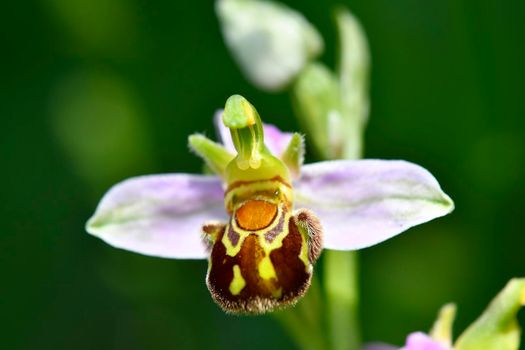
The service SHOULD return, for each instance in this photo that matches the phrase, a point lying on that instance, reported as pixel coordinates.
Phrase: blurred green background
(94, 91)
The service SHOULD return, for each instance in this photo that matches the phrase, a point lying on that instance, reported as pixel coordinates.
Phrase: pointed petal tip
(448, 202)
(520, 281)
(362, 203)
(159, 215)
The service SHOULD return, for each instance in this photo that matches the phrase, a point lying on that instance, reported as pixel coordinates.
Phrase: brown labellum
(267, 267)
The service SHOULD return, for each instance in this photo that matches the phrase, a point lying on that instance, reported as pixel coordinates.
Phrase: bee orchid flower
(264, 218)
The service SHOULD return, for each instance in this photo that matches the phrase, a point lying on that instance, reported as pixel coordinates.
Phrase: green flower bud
(333, 108)
(316, 97)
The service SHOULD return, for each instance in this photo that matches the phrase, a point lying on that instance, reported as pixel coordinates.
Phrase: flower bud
(271, 42)
(316, 97)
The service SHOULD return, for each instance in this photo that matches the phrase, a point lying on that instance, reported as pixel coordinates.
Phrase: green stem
(341, 278)
(341, 288)
(302, 322)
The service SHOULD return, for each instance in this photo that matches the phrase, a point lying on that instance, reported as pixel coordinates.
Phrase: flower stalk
(335, 112)
(342, 299)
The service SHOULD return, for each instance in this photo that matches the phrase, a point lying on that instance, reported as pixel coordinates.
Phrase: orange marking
(256, 214)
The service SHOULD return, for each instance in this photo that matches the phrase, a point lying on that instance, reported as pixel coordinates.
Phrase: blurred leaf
(353, 70)
(100, 126)
(497, 328)
(442, 328)
(97, 25)
(354, 66)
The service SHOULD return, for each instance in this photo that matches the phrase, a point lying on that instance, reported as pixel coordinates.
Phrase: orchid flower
(439, 337)
(415, 341)
(264, 216)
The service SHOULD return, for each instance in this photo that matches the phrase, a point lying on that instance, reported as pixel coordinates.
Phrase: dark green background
(96, 91)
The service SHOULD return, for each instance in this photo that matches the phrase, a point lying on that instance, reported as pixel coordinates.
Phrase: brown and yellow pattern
(263, 258)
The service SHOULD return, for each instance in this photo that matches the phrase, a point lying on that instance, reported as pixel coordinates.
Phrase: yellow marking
(255, 214)
(278, 241)
(238, 282)
(248, 110)
(303, 254)
(265, 245)
(232, 250)
(522, 297)
(266, 269)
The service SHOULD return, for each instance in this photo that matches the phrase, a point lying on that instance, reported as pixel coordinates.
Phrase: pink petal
(379, 346)
(362, 203)
(274, 139)
(159, 215)
(421, 341)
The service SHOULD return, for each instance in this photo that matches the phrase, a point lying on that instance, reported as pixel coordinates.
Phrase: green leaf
(497, 328)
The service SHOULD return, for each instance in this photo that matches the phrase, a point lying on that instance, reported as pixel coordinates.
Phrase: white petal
(270, 41)
(364, 202)
(159, 215)
(275, 139)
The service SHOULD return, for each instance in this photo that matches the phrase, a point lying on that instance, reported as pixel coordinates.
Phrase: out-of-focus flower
(270, 42)
(415, 341)
(421, 341)
(496, 329)
(265, 217)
